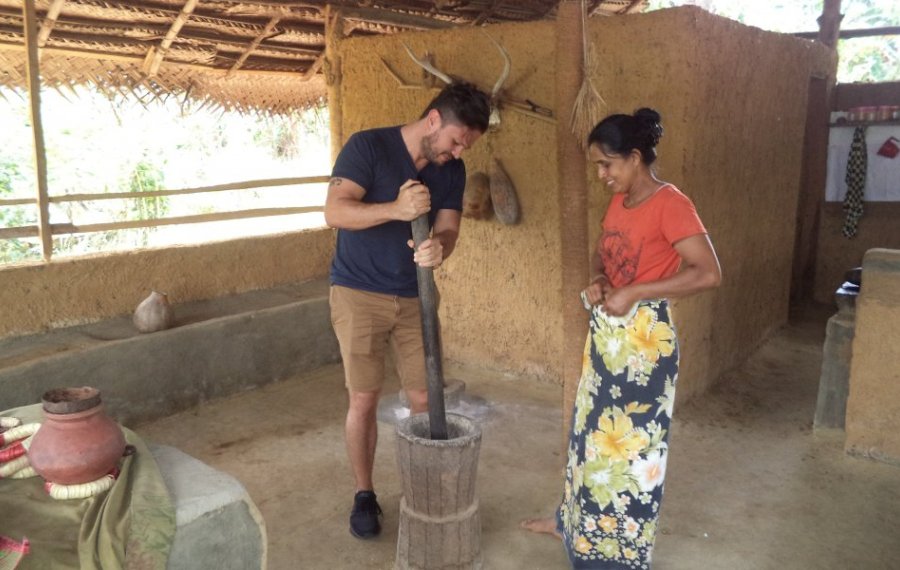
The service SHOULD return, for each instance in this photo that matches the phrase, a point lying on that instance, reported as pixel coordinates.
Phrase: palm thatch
(263, 55)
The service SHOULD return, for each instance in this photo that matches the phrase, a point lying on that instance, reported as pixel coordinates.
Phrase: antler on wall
(499, 100)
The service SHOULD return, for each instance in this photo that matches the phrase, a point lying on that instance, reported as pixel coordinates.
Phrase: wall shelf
(865, 123)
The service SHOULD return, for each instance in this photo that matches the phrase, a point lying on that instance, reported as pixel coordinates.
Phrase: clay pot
(77, 442)
(154, 313)
(477, 197)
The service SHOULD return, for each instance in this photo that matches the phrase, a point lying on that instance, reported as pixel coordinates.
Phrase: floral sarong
(618, 443)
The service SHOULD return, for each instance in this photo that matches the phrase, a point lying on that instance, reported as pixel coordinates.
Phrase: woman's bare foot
(541, 526)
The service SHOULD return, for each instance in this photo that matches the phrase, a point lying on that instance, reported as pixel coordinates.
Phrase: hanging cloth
(856, 182)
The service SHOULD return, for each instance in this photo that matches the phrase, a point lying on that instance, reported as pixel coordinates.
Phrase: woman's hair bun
(649, 120)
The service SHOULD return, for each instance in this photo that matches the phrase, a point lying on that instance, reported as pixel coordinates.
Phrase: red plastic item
(890, 148)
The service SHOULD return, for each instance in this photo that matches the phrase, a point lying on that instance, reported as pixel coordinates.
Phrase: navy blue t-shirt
(378, 259)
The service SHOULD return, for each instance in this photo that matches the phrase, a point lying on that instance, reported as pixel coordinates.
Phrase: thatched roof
(258, 54)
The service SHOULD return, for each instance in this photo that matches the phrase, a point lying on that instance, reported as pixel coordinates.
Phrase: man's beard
(429, 153)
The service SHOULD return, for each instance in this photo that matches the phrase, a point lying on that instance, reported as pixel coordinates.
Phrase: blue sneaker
(364, 521)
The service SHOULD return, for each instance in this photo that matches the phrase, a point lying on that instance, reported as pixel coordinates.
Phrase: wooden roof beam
(266, 32)
(314, 68)
(50, 21)
(156, 54)
(120, 30)
(635, 6)
(486, 14)
(849, 34)
(125, 58)
(391, 18)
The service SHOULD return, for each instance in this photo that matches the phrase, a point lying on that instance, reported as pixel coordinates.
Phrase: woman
(653, 246)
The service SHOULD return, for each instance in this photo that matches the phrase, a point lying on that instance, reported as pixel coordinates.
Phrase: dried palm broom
(589, 105)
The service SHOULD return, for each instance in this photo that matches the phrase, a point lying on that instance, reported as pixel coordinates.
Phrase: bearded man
(383, 179)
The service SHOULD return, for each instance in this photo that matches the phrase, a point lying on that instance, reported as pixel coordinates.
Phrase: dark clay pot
(77, 442)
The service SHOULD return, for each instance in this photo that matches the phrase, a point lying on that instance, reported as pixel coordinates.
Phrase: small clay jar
(77, 442)
(153, 313)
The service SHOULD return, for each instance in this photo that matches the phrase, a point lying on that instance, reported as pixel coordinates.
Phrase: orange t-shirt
(636, 244)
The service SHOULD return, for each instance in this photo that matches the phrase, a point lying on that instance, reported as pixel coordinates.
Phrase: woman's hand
(618, 302)
(598, 289)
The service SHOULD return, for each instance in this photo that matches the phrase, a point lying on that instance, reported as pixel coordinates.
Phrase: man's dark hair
(464, 104)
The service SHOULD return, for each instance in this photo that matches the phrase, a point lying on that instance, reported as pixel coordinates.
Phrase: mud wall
(733, 101)
(879, 227)
(873, 405)
(80, 290)
(500, 300)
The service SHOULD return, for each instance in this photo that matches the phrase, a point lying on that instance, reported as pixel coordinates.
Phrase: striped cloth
(856, 182)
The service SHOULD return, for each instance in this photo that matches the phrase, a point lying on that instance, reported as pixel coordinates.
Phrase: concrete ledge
(219, 347)
(217, 525)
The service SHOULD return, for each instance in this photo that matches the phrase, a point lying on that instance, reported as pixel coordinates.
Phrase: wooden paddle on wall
(437, 416)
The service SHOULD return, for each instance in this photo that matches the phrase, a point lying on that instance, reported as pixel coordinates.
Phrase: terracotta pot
(77, 442)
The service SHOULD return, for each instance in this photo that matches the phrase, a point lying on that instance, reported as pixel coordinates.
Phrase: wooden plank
(50, 21)
(156, 54)
(157, 193)
(60, 229)
(850, 34)
(40, 153)
(253, 45)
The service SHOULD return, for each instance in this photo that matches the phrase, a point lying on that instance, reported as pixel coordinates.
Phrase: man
(383, 179)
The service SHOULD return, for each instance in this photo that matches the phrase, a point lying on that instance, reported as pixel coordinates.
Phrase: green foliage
(147, 177)
(14, 250)
(95, 145)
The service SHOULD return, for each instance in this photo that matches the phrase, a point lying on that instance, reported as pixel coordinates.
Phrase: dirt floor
(749, 484)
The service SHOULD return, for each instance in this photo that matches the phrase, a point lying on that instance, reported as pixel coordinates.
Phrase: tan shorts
(365, 324)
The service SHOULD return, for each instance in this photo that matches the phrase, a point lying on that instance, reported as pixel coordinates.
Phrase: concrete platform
(218, 347)
(217, 524)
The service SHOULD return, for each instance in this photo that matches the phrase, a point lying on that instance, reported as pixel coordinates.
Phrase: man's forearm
(448, 241)
(348, 214)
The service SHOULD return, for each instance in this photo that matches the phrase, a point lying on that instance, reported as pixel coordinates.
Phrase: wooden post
(40, 154)
(812, 189)
(334, 31)
(830, 23)
(573, 204)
